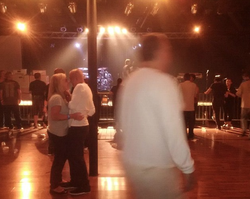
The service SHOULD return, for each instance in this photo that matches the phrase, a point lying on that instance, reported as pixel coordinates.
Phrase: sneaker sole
(77, 194)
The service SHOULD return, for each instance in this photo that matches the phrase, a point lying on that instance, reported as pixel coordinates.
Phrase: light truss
(73, 35)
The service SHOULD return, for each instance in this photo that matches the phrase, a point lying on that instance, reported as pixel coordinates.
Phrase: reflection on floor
(222, 160)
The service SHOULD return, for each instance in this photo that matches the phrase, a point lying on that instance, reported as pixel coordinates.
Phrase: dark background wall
(225, 55)
(10, 53)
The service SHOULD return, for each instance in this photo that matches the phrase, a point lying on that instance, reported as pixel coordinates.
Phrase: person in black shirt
(37, 89)
(2, 78)
(10, 96)
(219, 91)
(229, 104)
(114, 90)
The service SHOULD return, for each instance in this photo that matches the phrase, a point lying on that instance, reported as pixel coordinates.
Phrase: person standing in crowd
(50, 143)
(114, 91)
(219, 91)
(244, 93)
(58, 116)
(229, 104)
(127, 68)
(2, 78)
(150, 114)
(37, 89)
(81, 101)
(189, 93)
(196, 99)
(10, 95)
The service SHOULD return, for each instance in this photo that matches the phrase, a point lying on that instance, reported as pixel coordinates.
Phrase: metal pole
(92, 69)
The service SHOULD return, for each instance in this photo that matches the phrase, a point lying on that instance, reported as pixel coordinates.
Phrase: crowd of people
(68, 125)
(152, 118)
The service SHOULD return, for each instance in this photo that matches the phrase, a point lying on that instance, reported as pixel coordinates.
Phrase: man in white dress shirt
(81, 101)
(155, 147)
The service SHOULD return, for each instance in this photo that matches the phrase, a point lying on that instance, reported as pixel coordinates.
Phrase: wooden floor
(222, 161)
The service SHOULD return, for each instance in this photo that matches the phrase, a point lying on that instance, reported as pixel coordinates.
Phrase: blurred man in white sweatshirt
(155, 147)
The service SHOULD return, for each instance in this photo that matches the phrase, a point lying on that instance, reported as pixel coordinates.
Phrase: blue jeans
(245, 115)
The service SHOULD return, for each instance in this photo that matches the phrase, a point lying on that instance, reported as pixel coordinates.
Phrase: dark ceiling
(220, 16)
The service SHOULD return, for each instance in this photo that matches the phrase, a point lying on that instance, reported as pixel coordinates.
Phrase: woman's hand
(77, 116)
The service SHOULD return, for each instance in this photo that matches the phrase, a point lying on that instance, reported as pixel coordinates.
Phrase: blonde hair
(77, 74)
(56, 85)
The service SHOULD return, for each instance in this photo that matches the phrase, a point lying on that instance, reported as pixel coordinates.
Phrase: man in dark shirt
(114, 90)
(219, 91)
(2, 78)
(10, 96)
(38, 90)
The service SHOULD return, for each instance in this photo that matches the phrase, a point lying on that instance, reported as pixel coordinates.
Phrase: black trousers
(189, 117)
(60, 157)
(228, 111)
(8, 109)
(78, 170)
(217, 105)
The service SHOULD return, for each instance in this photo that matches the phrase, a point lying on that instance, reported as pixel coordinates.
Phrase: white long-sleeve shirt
(189, 92)
(244, 93)
(81, 101)
(151, 118)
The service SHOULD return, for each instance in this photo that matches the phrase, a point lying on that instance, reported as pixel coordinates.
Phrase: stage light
(72, 7)
(128, 8)
(21, 26)
(79, 29)
(63, 29)
(149, 29)
(102, 30)
(117, 29)
(77, 45)
(111, 30)
(86, 30)
(197, 29)
(124, 31)
(194, 8)
(3, 8)
(43, 7)
(133, 29)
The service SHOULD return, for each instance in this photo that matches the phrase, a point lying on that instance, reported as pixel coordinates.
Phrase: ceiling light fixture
(79, 29)
(3, 8)
(63, 29)
(43, 7)
(72, 7)
(128, 8)
(194, 9)
(155, 9)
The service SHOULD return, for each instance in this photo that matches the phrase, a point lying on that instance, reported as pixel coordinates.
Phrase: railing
(203, 112)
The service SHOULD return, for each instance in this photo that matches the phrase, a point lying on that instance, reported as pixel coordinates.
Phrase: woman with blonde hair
(58, 116)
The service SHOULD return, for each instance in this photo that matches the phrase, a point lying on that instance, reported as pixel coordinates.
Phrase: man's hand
(190, 181)
(77, 116)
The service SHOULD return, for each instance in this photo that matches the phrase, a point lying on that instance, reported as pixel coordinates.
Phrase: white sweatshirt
(81, 101)
(151, 118)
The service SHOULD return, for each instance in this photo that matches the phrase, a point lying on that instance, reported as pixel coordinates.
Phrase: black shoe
(52, 191)
(190, 136)
(67, 185)
(219, 127)
(79, 191)
(243, 134)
